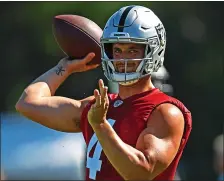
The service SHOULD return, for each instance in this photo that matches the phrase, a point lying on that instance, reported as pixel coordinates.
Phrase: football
(77, 36)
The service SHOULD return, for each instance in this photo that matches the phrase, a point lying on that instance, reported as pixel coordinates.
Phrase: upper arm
(59, 113)
(161, 139)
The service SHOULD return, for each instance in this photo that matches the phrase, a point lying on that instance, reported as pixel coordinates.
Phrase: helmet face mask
(141, 26)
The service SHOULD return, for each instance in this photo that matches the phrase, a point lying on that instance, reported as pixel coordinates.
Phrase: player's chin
(130, 83)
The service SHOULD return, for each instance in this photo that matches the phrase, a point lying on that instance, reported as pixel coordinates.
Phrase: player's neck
(142, 85)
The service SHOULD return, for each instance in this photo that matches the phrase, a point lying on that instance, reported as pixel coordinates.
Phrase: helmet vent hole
(149, 50)
(160, 52)
(144, 28)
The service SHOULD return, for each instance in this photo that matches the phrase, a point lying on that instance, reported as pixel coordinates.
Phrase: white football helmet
(133, 24)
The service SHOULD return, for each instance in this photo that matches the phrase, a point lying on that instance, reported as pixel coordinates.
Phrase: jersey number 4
(94, 163)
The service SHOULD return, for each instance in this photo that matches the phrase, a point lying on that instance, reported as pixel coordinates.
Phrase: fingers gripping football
(79, 65)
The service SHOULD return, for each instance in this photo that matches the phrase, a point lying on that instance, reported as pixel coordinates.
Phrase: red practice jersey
(129, 118)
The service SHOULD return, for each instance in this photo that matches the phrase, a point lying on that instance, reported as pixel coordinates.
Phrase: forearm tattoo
(60, 70)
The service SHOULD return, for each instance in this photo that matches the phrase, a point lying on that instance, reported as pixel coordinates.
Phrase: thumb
(88, 57)
(83, 61)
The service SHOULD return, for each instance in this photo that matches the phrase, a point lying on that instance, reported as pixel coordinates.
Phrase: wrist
(100, 125)
(63, 68)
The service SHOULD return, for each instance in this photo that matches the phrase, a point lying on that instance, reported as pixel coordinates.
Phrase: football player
(137, 134)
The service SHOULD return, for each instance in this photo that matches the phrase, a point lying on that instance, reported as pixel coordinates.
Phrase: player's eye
(117, 50)
(133, 51)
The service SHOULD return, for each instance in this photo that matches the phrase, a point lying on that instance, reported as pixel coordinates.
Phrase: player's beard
(131, 67)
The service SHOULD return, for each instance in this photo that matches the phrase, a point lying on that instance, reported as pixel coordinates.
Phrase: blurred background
(193, 73)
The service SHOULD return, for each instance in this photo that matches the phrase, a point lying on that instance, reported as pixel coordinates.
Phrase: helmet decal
(123, 18)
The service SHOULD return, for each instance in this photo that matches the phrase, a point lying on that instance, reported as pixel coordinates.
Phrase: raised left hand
(98, 112)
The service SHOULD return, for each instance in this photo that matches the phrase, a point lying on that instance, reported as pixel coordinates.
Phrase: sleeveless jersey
(128, 118)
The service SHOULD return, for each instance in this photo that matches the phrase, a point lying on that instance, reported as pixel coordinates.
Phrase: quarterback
(139, 133)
